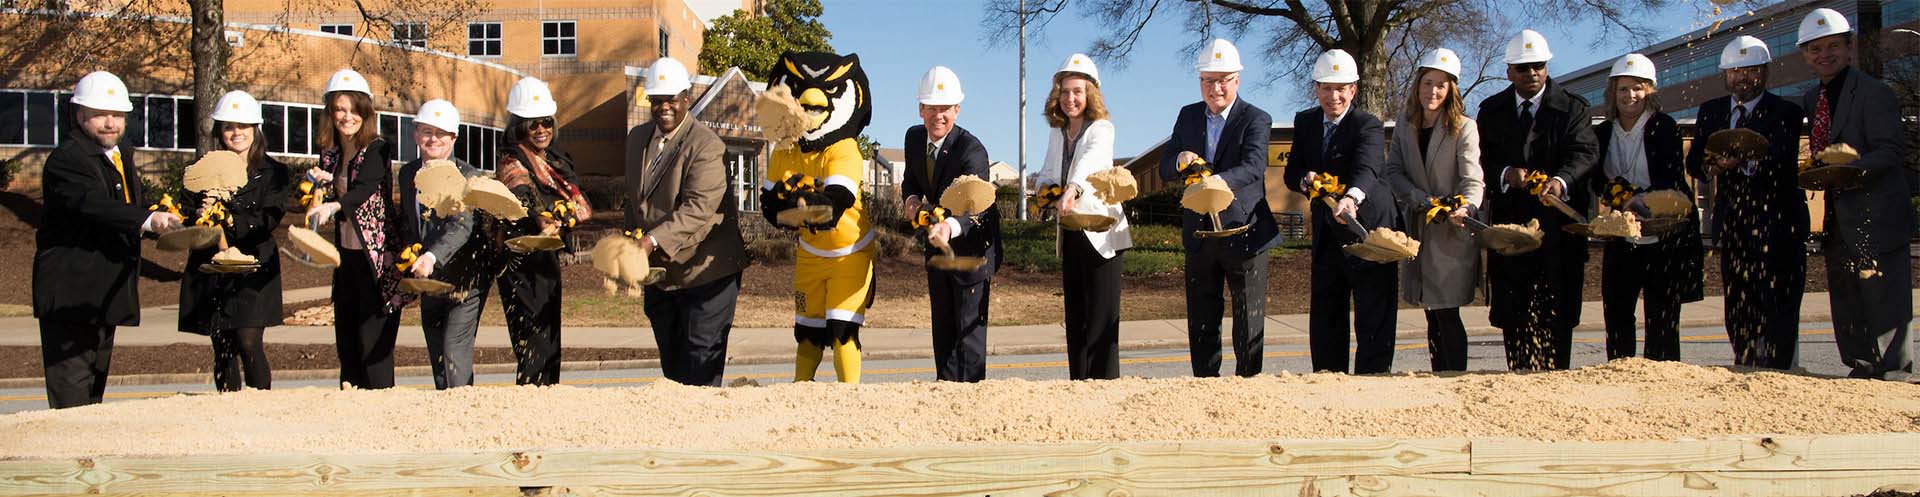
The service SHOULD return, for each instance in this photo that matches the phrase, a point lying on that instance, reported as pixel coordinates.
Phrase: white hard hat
(1635, 65)
(440, 114)
(1745, 51)
(1526, 48)
(1822, 23)
(237, 107)
(1335, 66)
(667, 77)
(1444, 60)
(348, 80)
(530, 98)
(1220, 56)
(940, 87)
(103, 91)
(1078, 63)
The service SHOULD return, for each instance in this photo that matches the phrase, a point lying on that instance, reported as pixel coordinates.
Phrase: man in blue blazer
(1231, 135)
(939, 152)
(1337, 139)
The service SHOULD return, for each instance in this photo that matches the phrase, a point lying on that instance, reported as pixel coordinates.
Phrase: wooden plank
(1175, 462)
(1705, 484)
(1758, 453)
(414, 492)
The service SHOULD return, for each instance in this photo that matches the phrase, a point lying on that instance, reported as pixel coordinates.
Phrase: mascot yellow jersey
(839, 164)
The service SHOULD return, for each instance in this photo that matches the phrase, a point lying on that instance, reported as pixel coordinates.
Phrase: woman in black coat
(1641, 146)
(235, 309)
(539, 175)
(366, 295)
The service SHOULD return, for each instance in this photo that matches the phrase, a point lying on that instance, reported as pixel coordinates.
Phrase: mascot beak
(815, 101)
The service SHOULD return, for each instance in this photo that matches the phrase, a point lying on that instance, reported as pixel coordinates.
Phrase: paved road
(1704, 346)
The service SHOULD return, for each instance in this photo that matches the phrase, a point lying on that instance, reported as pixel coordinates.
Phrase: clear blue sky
(899, 40)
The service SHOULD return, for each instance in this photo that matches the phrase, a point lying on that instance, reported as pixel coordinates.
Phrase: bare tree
(1384, 36)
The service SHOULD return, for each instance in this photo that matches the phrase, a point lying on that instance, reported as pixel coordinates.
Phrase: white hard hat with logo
(1634, 65)
(940, 87)
(1745, 51)
(439, 114)
(1526, 48)
(1443, 59)
(1335, 66)
(348, 80)
(667, 77)
(1220, 56)
(530, 99)
(101, 90)
(1822, 23)
(1078, 63)
(237, 107)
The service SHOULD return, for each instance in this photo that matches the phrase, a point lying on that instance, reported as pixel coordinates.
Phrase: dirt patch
(24, 361)
(1668, 401)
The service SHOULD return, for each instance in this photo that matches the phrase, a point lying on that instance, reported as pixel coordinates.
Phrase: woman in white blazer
(1080, 143)
(1435, 153)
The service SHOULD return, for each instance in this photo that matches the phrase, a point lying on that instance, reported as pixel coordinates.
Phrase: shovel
(1361, 249)
(308, 241)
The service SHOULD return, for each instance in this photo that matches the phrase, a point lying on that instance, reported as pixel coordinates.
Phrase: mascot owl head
(832, 88)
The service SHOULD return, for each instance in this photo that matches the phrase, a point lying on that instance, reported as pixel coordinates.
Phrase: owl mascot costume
(816, 104)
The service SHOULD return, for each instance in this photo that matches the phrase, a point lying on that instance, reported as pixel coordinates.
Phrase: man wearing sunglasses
(1536, 126)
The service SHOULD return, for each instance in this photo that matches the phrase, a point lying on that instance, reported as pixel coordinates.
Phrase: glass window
(408, 152)
(389, 125)
(273, 126)
(664, 38)
(137, 124)
(483, 39)
(160, 127)
(13, 118)
(410, 33)
(557, 38)
(40, 118)
(339, 29)
(298, 140)
(188, 129)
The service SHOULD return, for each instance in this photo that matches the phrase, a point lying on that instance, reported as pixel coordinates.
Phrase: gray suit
(450, 321)
(1868, 228)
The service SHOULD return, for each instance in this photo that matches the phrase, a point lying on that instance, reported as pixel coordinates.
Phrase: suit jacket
(463, 255)
(1448, 269)
(211, 302)
(1241, 161)
(1770, 199)
(1666, 170)
(961, 154)
(1876, 218)
(682, 197)
(86, 259)
(1357, 155)
(1092, 154)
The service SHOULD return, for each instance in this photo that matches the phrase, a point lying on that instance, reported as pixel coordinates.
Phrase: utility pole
(1022, 179)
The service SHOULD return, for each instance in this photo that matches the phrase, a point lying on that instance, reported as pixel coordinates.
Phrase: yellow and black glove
(562, 212)
(1326, 186)
(1619, 193)
(407, 256)
(1195, 171)
(1536, 182)
(1444, 207)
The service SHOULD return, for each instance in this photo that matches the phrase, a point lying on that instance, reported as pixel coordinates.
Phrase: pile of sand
(1625, 400)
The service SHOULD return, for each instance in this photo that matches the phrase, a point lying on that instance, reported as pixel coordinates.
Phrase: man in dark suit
(1231, 136)
(1350, 144)
(939, 152)
(1761, 211)
(1532, 126)
(680, 199)
(1868, 226)
(86, 260)
(449, 321)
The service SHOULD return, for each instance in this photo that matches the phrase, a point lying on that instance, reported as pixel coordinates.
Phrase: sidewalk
(764, 345)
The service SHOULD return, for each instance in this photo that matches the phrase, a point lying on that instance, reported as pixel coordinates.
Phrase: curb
(1005, 350)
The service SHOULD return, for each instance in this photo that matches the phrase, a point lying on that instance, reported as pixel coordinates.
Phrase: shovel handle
(1565, 209)
(1355, 226)
(1475, 225)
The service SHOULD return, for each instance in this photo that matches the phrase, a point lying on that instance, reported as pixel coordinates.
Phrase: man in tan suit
(678, 195)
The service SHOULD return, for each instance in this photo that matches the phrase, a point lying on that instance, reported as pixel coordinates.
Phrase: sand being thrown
(1625, 400)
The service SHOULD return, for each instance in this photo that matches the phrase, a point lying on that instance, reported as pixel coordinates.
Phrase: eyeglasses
(1531, 66)
(544, 122)
(1205, 81)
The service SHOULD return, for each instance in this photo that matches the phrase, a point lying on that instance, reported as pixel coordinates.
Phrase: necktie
(1739, 117)
(1326, 140)
(931, 181)
(1822, 122)
(126, 190)
(1526, 130)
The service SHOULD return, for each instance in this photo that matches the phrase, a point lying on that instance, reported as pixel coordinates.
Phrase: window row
(557, 38)
(38, 118)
